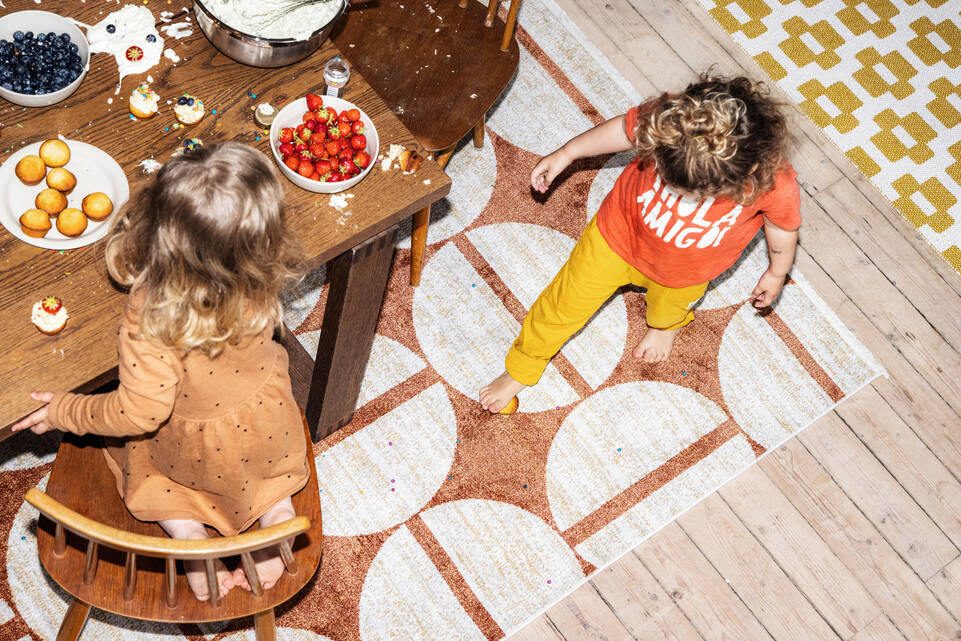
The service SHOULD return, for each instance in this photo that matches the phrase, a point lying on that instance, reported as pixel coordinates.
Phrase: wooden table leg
(73, 621)
(358, 280)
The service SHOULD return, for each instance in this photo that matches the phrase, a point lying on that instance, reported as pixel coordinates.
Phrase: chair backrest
(509, 25)
(132, 545)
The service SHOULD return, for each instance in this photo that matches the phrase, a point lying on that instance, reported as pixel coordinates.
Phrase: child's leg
(196, 575)
(668, 310)
(591, 274)
(269, 564)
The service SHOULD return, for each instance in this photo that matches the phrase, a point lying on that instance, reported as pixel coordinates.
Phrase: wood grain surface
(82, 356)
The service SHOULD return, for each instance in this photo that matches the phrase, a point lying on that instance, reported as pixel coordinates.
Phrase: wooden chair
(108, 560)
(439, 64)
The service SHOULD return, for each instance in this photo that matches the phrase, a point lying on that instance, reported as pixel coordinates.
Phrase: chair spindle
(90, 567)
(59, 540)
(212, 584)
(170, 581)
(251, 571)
(129, 576)
(511, 22)
(287, 554)
(462, 4)
(491, 12)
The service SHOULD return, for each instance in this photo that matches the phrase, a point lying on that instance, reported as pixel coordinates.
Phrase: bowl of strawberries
(323, 144)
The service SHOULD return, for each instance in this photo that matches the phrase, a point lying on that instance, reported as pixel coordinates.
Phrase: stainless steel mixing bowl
(256, 51)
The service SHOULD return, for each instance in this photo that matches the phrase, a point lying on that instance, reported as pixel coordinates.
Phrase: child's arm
(149, 381)
(781, 247)
(606, 138)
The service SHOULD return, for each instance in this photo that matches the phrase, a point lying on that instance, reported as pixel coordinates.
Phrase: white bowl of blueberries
(43, 58)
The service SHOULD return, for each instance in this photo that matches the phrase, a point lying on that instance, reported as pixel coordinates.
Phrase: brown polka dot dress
(217, 440)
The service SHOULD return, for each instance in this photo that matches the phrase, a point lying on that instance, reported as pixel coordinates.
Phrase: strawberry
(353, 115)
(306, 134)
(333, 133)
(346, 166)
(305, 157)
(316, 149)
(357, 127)
(323, 114)
(300, 146)
(333, 147)
(344, 128)
(286, 149)
(305, 169)
(335, 177)
(299, 131)
(344, 143)
(310, 125)
(358, 141)
(331, 115)
(314, 102)
(314, 176)
(319, 135)
(286, 134)
(346, 153)
(309, 116)
(322, 166)
(293, 162)
(51, 304)
(343, 117)
(362, 159)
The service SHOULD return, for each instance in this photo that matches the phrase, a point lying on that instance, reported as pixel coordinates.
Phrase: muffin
(71, 222)
(61, 179)
(35, 223)
(143, 102)
(97, 205)
(55, 153)
(51, 201)
(189, 109)
(49, 315)
(31, 170)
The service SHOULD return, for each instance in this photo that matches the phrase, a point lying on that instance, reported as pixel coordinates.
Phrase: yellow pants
(591, 274)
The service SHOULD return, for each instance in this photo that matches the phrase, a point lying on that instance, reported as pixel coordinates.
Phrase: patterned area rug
(445, 523)
(882, 79)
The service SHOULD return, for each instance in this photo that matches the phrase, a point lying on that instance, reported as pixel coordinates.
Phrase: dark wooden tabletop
(83, 355)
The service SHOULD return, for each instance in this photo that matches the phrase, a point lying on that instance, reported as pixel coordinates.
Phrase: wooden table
(358, 251)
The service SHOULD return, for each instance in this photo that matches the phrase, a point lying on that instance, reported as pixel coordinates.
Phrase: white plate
(95, 171)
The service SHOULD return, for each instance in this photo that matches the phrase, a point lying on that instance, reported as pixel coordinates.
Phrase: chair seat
(392, 45)
(82, 481)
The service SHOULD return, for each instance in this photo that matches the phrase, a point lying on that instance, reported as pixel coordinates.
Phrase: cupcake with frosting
(49, 315)
(189, 109)
(143, 102)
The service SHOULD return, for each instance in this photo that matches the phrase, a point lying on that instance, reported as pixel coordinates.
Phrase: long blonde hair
(206, 248)
(721, 137)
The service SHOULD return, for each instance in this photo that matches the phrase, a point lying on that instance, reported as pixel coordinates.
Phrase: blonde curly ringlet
(207, 247)
(720, 137)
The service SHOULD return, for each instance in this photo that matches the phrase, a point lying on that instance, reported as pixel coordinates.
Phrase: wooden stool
(107, 559)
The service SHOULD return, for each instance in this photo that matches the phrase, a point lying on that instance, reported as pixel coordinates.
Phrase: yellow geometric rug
(882, 78)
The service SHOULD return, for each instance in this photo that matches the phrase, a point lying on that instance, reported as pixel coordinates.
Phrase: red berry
(322, 167)
(343, 117)
(357, 127)
(358, 141)
(333, 133)
(344, 143)
(335, 177)
(353, 115)
(345, 153)
(305, 169)
(309, 116)
(314, 102)
(333, 147)
(293, 162)
(300, 146)
(362, 159)
(346, 165)
(286, 148)
(344, 128)
(316, 149)
(305, 155)
(286, 134)
(319, 135)
(51, 304)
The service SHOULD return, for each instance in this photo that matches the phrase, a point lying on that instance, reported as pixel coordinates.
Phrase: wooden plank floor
(853, 529)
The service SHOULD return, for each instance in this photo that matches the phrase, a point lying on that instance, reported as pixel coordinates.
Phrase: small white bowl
(292, 115)
(44, 22)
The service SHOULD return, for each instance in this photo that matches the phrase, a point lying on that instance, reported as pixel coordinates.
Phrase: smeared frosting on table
(130, 36)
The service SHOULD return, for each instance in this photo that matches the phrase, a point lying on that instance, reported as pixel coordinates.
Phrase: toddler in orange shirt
(708, 174)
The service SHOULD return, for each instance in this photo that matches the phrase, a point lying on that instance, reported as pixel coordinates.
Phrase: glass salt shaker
(336, 75)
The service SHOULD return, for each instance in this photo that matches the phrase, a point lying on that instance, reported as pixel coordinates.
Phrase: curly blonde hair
(206, 248)
(720, 137)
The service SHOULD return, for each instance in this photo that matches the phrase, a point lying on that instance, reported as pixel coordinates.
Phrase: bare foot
(496, 394)
(655, 345)
(196, 574)
(268, 562)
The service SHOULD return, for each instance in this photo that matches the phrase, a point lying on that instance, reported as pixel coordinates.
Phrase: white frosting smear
(178, 30)
(257, 17)
(130, 45)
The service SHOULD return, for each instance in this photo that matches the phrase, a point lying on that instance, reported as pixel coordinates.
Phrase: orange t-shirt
(677, 241)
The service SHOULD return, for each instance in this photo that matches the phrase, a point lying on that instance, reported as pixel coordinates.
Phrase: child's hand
(547, 169)
(36, 421)
(767, 289)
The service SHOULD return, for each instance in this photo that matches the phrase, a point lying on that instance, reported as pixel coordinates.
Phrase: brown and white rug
(444, 523)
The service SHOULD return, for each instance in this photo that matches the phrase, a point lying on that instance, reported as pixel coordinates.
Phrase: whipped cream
(257, 17)
(46, 321)
(130, 36)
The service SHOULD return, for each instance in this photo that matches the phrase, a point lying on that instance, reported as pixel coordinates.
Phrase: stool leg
(264, 626)
(73, 621)
(479, 133)
(418, 237)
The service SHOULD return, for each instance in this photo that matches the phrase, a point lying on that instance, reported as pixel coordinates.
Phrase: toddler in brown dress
(203, 429)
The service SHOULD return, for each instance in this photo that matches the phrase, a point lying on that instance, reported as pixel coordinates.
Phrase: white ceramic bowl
(44, 22)
(292, 115)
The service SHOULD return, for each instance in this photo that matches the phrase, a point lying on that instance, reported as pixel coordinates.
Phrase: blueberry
(151, 38)
(74, 48)
(17, 36)
(42, 37)
(181, 100)
(65, 37)
(111, 28)
(190, 102)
